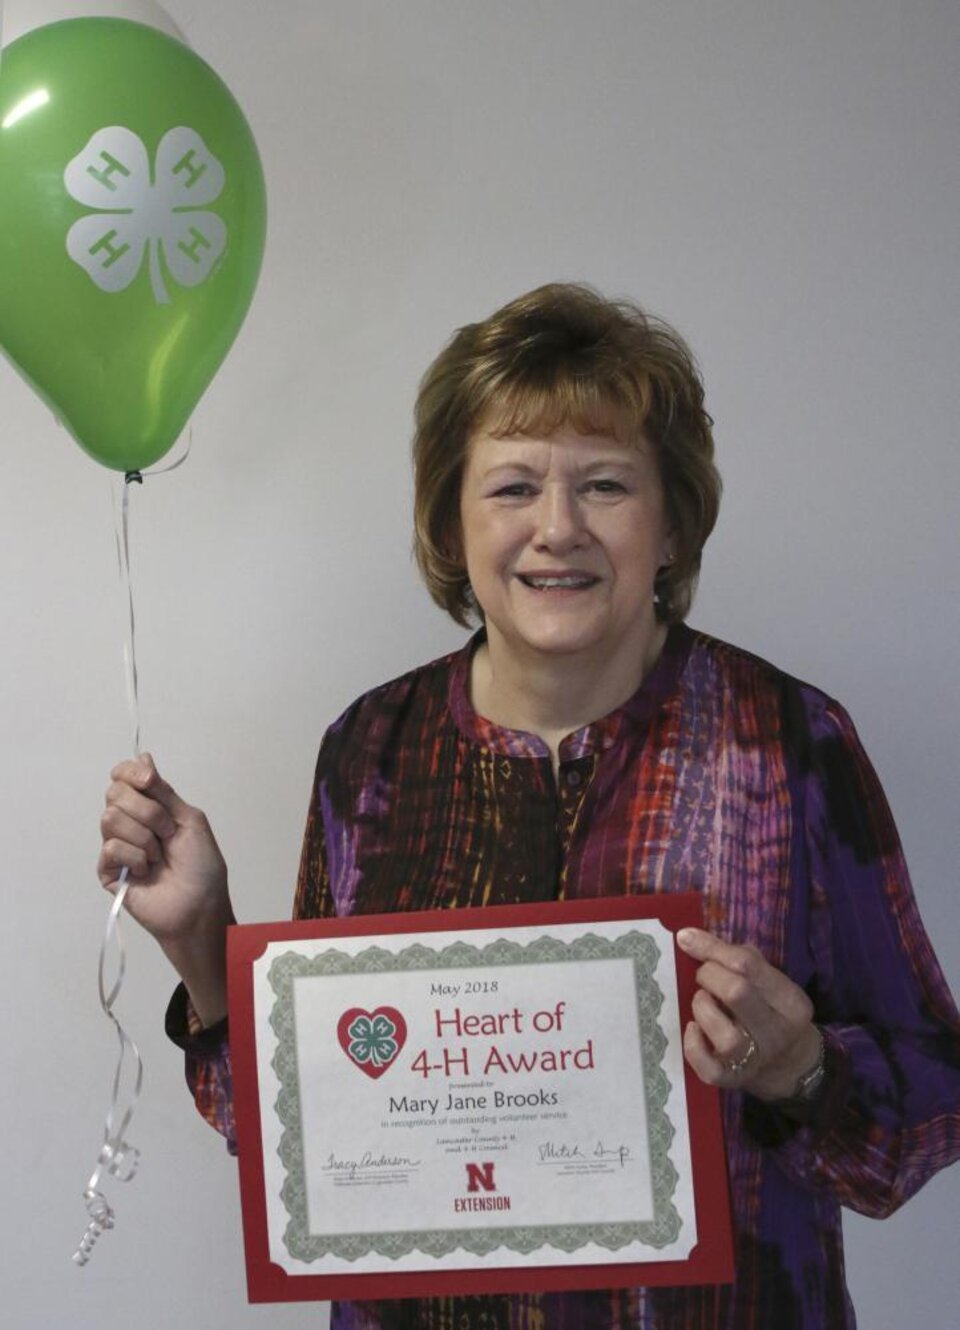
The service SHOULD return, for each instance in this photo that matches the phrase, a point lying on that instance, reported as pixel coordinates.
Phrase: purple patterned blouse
(721, 775)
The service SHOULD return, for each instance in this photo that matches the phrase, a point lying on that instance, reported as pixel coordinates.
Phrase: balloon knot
(133, 477)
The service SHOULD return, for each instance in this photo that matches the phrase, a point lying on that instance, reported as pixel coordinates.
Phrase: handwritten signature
(368, 1160)
(558, 1152)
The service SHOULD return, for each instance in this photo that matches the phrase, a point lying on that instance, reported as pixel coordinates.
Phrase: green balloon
(132, 221)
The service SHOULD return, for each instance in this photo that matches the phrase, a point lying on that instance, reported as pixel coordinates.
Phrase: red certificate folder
(711, 1259)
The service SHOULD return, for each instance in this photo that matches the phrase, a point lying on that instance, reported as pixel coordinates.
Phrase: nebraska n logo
(480, 1176)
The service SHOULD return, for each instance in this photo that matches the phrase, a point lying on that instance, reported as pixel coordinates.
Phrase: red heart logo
(372, 1040)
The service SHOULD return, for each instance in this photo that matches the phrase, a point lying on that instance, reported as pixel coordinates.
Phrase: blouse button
(573, 779)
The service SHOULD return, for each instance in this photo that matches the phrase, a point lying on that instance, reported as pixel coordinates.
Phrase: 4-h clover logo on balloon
(372, 1040)
(140, 211)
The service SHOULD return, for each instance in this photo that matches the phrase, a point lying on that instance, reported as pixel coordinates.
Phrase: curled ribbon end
(101, 1217)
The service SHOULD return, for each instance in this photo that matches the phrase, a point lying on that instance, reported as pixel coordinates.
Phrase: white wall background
(780, 180)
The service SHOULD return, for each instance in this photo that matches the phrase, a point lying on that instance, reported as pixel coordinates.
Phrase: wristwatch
(808, 1086)
(800, 1105)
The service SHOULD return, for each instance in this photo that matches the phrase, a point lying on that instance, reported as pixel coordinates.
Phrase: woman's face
(562, 539)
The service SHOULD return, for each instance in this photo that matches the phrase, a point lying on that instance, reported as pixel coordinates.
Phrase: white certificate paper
(501, 1097)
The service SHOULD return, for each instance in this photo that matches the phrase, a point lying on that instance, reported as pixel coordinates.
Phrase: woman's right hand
(178, 878)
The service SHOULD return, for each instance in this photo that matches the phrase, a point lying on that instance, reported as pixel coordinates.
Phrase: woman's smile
(558, 581)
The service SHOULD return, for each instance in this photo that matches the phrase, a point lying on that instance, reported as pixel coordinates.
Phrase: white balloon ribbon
(117, 1158)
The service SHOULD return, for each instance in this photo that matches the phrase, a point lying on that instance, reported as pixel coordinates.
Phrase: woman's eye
(604, 485)
(519, 489)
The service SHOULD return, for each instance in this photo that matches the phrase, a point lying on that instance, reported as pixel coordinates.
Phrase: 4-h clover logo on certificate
(372, 1040)
(142, 210)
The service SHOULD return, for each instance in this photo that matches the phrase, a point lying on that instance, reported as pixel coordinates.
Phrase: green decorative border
(656, 1233)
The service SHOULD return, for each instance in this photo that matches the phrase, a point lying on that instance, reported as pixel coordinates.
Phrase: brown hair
(564, 355)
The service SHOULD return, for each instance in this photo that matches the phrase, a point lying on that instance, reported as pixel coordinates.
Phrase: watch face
(808, 1085)
(810, 1082)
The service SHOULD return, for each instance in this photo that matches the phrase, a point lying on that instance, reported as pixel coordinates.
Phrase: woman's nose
(560, 522)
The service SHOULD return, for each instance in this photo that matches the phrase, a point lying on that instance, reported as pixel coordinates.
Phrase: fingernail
(686, 937)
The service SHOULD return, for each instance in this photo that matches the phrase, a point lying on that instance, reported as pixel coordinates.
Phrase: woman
(584, 743)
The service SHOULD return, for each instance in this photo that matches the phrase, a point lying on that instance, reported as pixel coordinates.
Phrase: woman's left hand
(752, 1027)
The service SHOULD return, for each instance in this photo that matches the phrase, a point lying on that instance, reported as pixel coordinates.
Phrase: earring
(658, 598)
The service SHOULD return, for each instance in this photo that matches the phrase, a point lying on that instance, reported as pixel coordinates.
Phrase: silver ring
(739, 1064)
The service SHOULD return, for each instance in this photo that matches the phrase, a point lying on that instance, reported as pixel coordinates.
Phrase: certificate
(473, 1101)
